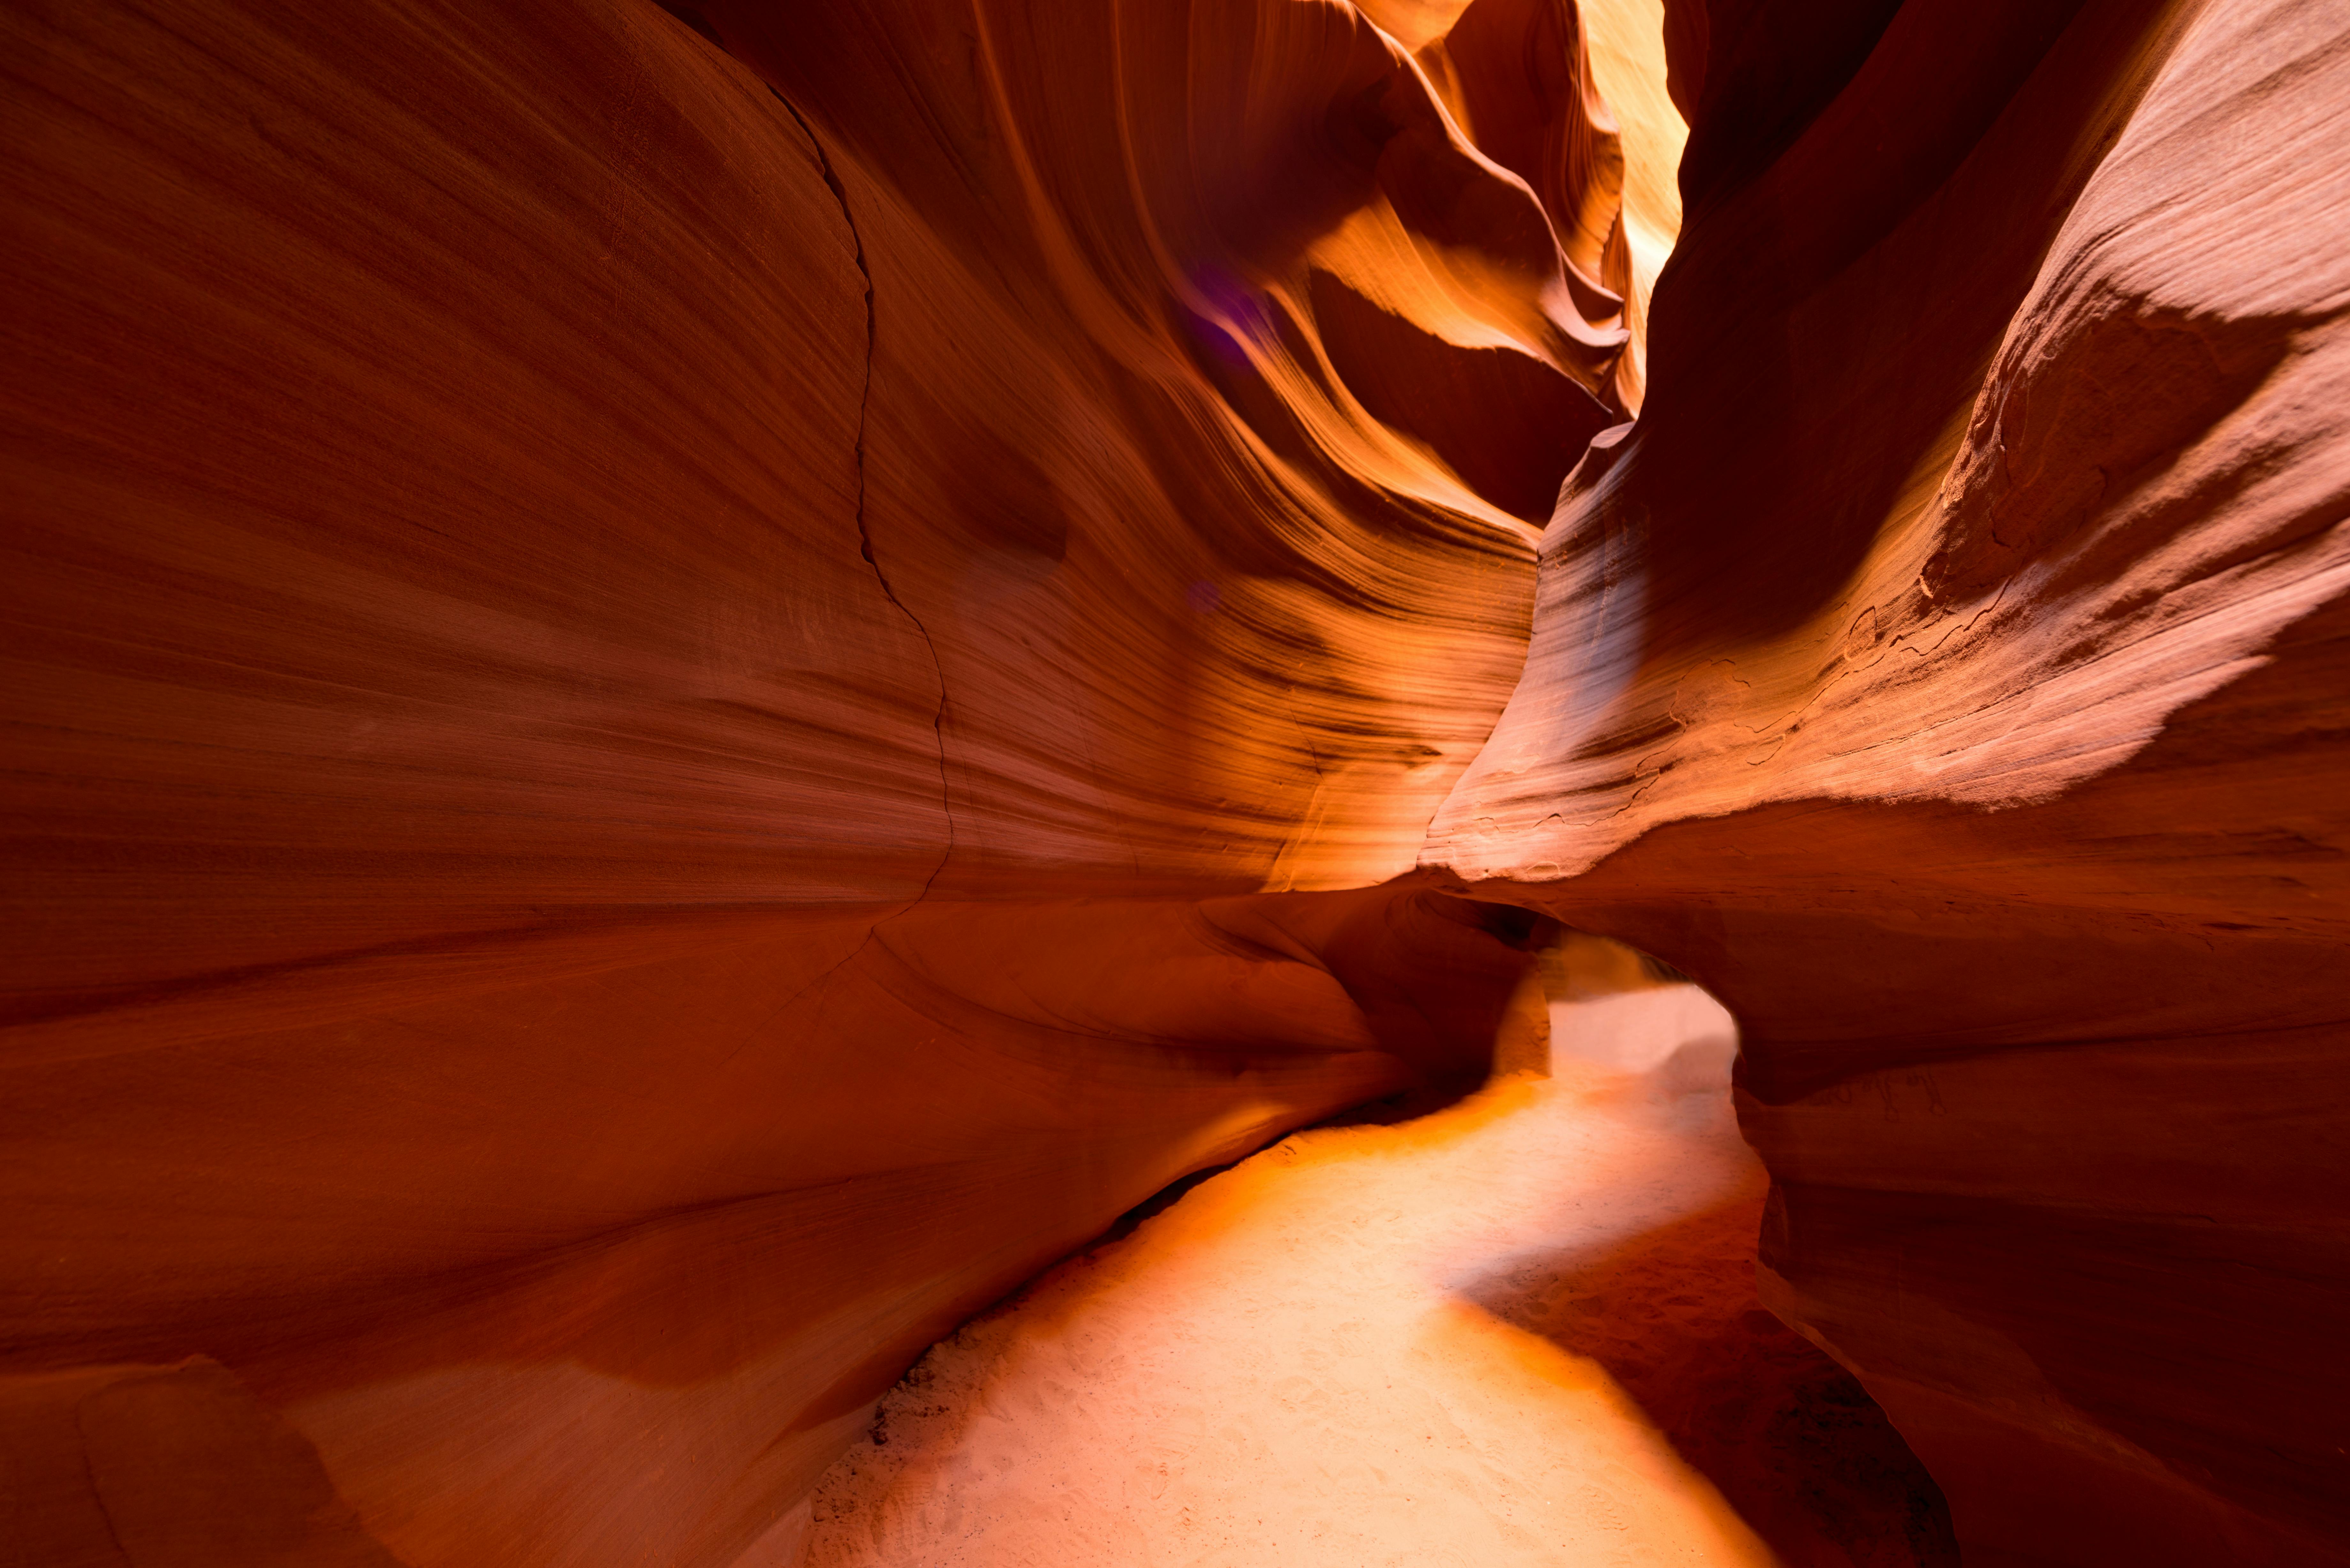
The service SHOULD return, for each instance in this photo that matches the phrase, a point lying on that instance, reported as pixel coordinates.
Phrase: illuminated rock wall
(688, 686)
(1950, 670)
(664, 732)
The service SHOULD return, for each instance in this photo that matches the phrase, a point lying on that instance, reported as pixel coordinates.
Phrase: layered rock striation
(680, 687)
(689, 685)
(1948, 669)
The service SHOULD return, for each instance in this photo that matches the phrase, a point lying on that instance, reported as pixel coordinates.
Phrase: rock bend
(678, 687)
(1949, 671)
(689, 685)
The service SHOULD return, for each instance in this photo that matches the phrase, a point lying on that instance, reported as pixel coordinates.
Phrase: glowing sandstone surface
(689, 685)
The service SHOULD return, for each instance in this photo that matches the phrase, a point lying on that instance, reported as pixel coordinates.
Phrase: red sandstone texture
(1950, 671)
(676, 681)
(689, 686)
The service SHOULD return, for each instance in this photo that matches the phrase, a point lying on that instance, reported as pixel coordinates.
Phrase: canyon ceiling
(690, 685)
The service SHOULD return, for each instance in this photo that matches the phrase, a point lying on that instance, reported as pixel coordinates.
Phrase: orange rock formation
(1950, 670)
(688, 686)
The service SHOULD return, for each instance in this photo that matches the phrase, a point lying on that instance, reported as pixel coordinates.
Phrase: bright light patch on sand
(1354, 1348)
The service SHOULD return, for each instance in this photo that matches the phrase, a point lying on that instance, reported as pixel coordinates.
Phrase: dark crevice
(864, 533)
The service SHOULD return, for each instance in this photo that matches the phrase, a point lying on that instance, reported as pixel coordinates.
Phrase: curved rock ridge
(689, 685)
(1949, 671)
(687, 688)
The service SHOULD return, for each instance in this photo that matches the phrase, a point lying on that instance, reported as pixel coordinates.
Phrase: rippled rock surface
(688, 686)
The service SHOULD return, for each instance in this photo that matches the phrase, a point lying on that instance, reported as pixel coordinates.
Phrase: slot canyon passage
(692, 685)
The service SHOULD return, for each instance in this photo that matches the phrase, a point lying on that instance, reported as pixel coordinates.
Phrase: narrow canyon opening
(689, 684)
(1515, 1326)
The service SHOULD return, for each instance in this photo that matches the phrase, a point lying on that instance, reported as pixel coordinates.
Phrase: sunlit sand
(1371, 1345)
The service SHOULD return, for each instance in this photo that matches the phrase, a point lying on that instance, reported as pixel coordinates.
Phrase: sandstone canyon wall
(678, 684)
(1950, 670)
(689, 684)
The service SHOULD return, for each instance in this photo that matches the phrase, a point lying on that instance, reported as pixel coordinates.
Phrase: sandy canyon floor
(1520, 1329)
